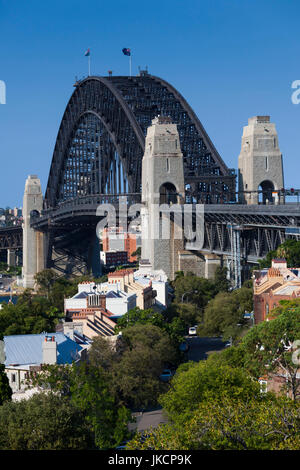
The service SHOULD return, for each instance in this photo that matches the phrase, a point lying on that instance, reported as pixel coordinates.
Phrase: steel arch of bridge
(102, 136)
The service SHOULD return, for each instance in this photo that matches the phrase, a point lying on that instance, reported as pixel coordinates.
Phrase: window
(263, 386)
(13, 378)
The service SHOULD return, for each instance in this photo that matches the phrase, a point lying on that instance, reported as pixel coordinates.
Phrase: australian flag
(87, 53)
(126, 51)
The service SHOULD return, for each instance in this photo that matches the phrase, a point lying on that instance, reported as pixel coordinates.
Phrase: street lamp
(191, 292)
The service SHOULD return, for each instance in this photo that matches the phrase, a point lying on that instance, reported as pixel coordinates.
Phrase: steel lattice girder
(11, 238)
(256, 242)
(102, 135)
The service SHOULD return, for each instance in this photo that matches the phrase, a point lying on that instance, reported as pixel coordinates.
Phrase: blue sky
(231, 59)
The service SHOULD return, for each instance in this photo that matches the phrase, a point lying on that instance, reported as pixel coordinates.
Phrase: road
(199, 348)
(147, 419)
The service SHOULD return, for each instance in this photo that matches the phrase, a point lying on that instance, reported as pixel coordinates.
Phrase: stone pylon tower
(162, 183)
(33, 249)
(260, 162)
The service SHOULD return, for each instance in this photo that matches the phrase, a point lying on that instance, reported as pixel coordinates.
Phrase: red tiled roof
(121, 272)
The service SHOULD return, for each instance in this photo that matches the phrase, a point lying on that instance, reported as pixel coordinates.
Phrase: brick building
(271, 285)
(115, 239)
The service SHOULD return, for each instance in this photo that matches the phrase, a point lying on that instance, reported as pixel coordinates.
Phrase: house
(26, 354)
(276, 382)
(271, 285)
(158, 281)
(126, 281)
(109, 297)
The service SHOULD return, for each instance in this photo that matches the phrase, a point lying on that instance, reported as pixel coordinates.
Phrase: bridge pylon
(260, 163)
(162, 187)
(33, 241)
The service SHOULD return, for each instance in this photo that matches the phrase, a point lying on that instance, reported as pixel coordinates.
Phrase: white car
(192, 331)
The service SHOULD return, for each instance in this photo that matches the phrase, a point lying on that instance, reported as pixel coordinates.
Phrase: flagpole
(130, 65)
(89, 59)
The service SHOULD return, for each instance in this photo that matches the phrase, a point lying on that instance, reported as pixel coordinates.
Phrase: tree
(147, 350)
(188, 313)
(194, 383)
(193, 289)
(233, 357)
(263, 423)
(102, 354)
(137, 253)
(170, 321)
(138, 316)
(133, 370)
(88, 389)
(5, 390)
(271, 347)
(60, 289)
(224, 315)
(45, 279)
(43, 422)
(31, 314)
(220, 279)
(290, 250)
(90, 393)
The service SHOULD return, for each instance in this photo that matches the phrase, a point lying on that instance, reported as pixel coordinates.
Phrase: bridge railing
(92, 200)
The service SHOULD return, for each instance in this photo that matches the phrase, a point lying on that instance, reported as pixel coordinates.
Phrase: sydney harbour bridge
(98, 155)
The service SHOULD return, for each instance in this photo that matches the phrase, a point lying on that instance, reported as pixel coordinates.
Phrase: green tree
(133, 369)
(89, 390)
(170, 321)
(31, 314)
(188, 313)
(220, 279)
(224, 315)
(233, 357)
(138, 316)
(193, 289)
(137, 253)
(43, 422)
(45, 279)
(147, 350)
(90, 393)
(290, 250)
(272, 346)
(263, 423)
(194, 383)
(5, 390)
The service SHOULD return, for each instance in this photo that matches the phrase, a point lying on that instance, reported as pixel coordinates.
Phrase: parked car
(166, 375)
(122, 446)
(192, 331)
(184, 347)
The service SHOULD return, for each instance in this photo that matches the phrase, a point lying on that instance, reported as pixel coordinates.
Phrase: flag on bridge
(126, 51)
(88, 54)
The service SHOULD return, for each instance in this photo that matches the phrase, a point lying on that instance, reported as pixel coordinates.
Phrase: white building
(107, 296)
(159, 282)
(23, 354)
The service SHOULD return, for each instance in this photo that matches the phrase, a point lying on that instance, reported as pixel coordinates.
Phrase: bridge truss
(100, 143)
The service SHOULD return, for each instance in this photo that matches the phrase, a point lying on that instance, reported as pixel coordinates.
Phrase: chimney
(49, 350)
(69, 330)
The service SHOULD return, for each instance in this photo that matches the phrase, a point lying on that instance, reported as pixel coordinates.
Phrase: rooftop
(27, 349)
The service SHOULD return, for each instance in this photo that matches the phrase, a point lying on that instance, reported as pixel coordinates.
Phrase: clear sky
(231, 59)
